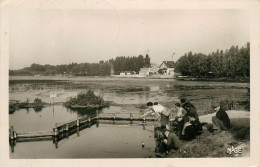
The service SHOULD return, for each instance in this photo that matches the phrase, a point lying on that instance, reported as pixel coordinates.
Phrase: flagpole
(172, 55)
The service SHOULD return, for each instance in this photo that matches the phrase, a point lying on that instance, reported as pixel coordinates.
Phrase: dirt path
(233, 115)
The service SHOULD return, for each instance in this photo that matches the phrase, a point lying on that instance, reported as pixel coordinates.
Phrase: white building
(167, 67)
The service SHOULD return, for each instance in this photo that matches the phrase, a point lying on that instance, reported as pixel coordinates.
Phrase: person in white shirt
(180, 112)
(160, 111)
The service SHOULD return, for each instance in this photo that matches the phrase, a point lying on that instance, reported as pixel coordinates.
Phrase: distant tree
(231, 63)
(147, 61)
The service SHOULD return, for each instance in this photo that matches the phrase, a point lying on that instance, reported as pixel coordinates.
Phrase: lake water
(126, 96)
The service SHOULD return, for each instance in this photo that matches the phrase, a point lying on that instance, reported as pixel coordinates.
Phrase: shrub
(37, 101)
(86, 99)
(226, 103)
(241, 132)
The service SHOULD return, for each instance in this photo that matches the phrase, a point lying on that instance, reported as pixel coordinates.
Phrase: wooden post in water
(77, 122)
(114, 117)
(67, 130)
(78, 131)
(12, 145)
(56, 135)
(67, 127)
(15, 136)
(11, 131)
(97, 123)
(131, 118)
(89, 122)
(56, 130)
(53, 134)
(97, 120)
(56, 142)
(144, 123)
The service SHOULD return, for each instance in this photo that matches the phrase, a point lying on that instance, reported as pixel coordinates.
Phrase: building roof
(169, 64)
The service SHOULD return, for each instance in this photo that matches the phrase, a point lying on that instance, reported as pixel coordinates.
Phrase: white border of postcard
(8, 6)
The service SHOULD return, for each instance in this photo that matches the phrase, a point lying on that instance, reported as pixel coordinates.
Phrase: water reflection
(56, 138)
(37, 109)
(85, 111)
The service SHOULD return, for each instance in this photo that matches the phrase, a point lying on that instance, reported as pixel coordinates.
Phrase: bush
(241, 132)
(37, 101)
(86, 99)
(226, 104)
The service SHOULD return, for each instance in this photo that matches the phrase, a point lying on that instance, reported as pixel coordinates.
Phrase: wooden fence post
(97, 121)
(12, 145)
(56, 142)
(67, 127)
(15, 135)
(77, 122)
(67, 130)
(53, 129)
(56, 130)
(144, 123)
(11, 133)
(89, 122)
(114, 117)
(131, 118)
(78, 131)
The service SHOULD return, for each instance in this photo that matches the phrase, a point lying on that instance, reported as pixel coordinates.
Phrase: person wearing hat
(190, 108)
(221, 121)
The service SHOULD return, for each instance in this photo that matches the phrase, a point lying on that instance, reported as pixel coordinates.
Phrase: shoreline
(159, 77)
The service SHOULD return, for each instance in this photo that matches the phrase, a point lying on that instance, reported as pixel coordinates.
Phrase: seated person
(188, 132)
(181, 112)
(191, 120)
(171, 141)
(190, 108)
(160, 148)
(221, 121)
(180, 116)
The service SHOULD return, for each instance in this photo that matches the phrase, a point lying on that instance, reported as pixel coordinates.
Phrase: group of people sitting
(185, 125)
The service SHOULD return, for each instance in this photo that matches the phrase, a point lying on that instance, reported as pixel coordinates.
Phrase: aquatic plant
(227, 103)
(37, 101)
(86, 100)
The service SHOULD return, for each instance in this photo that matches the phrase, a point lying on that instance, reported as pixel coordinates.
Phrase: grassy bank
(207, 145)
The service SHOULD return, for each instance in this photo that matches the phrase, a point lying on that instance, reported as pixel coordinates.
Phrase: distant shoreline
(224, 79)
(204, 79)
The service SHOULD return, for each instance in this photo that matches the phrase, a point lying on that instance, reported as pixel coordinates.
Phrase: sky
(63, 36)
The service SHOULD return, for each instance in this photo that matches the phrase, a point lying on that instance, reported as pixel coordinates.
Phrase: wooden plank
(34, 135)
(83, 119)
(34, 139)
(126, 119)
(73, 123)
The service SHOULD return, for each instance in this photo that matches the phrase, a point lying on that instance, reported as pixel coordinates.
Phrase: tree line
(103, 68)
(233, 62)
(121, 64)
(82, 69)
